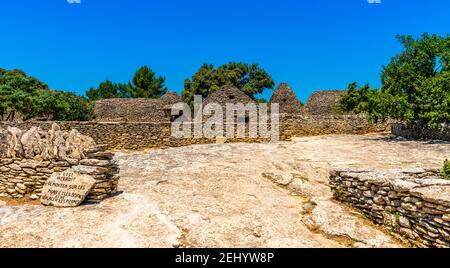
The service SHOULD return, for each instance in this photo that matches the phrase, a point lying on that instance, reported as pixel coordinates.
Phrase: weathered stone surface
(285, 97)
(410, 205)
(66, 189)
(280, 179)
(95, 162)
(21, 186)
(47, 145)
(14, 147)
(221, 140)
(434, 194)
(215, 196)
(77, 144)
(92, 170)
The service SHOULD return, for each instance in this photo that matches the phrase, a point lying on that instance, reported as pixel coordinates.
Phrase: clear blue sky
(311, 44)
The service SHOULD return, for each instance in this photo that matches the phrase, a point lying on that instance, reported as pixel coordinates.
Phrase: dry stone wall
(310, 125)
(324, 102)
(31, 157)
(412, 203)
(145, 135)
(420, 133)
(129, 110)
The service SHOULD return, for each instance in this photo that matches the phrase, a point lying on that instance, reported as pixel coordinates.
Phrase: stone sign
(66, 189)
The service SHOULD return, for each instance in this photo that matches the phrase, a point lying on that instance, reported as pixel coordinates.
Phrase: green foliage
(418, 81)
(415, 85)
(356, 99)
(250, 79)
(31, 98)
(446, 170)
(144, 84)
(261, 100)
(147, 85)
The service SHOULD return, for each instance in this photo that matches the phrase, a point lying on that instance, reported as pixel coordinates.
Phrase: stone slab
(66, 189)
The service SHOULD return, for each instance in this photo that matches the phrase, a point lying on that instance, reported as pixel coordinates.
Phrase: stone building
(286, 99)
(324, 102)
(168, 101)
(129, 110)
(171, 98)
(228, 94)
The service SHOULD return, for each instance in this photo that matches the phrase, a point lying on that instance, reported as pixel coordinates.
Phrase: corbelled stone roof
(171, 98)
(129, 110)
(286, 99)
(324, 102)
(228, 94)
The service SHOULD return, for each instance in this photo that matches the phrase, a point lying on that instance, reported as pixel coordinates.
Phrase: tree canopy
(144, 84)
(249, 78)
(31, 98)
(415, 85)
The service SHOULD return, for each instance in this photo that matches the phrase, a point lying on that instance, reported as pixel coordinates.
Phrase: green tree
(144, 84)
(31, 98)
(356, 99)
(250, 79)
(415, 85)
(147, 85)
(418, 82)
(106, 90)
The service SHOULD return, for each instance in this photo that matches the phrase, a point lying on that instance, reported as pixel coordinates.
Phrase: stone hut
(287, 99)
(228, 94)
(324, 102)
(168, 101)
(171, 98)
(129, 110)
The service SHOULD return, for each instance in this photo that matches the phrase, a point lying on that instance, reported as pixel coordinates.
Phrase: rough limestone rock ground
(231, 195)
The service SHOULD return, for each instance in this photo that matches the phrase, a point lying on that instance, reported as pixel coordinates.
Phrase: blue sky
(310, 44)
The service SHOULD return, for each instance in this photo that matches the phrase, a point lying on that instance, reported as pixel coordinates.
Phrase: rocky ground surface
(232, 195)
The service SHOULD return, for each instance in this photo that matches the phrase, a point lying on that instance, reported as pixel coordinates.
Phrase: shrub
(446, 170)
(31, 98)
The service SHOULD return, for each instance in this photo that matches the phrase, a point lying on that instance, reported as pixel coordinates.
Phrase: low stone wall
(145, 135)
(26, 177)
(418, 133)
(413, 203)
(304, 125)
(129, 136)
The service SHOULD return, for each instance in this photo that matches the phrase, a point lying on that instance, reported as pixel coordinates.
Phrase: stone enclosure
(138, 124)
(415, 204)
(31, 157)
(412, 203)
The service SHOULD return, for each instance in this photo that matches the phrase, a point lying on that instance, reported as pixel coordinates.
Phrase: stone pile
(54, 144)
(31, 157)
(412, 203)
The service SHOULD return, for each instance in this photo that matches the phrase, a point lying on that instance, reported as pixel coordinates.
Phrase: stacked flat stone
(26, 177)
(33, 156)
(412, 203)
(324, 102)
(100, 165)
(421, 133)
